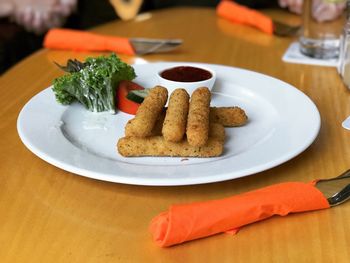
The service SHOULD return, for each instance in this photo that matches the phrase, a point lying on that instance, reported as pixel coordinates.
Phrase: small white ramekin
(171, 85)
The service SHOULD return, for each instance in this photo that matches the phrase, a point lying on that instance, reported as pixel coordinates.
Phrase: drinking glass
(322, 26)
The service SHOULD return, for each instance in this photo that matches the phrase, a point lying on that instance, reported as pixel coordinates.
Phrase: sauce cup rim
(212, 72)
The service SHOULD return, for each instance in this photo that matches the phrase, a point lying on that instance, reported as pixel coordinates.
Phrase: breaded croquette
(228, 116)
(217, 130)
(157, 131)
(146, 116)
(158, 146)
(174, 125)
(197, 129)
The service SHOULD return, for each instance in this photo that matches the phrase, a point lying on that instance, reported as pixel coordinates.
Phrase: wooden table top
(50, 215)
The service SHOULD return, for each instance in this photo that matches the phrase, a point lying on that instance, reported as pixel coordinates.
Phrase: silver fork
(144, 46)
(336, 190)
(285, 30)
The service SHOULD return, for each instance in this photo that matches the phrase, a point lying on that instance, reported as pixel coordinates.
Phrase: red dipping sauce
(186, 74)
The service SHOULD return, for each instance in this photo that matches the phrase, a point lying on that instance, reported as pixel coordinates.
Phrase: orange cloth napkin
(243, 15)
(76, 40)
(196, 220)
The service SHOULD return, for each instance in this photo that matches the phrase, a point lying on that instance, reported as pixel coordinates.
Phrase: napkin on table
(243, 15)
(76, 40)
(185, 222)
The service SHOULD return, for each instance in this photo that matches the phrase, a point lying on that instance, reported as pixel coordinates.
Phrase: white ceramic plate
(283, 122)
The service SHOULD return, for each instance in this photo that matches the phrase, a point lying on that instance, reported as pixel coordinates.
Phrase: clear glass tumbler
(344, 55)
(322, 26)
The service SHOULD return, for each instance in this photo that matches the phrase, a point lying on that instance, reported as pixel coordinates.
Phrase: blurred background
(23, 23)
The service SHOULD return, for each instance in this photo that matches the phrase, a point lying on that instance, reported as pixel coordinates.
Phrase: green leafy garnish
(93, 82)
(73, 65)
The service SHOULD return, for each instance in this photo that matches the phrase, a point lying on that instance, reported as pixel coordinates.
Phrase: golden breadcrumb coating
(228, 116)
(174, 126)
(197, 129)
(147, 114)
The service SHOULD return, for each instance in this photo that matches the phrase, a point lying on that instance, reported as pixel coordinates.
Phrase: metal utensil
(144, 46)
(336, 190)
(285, 30)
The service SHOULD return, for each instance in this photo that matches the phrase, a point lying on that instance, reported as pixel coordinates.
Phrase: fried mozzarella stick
(174, 125)
(228, 116)
(158, 146)
(232, 116)
(217, 131)
(197, 129)
(147, 114)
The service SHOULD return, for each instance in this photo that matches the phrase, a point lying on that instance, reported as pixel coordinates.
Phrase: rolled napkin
(76, 40)
(197, 220)
(243, 15)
